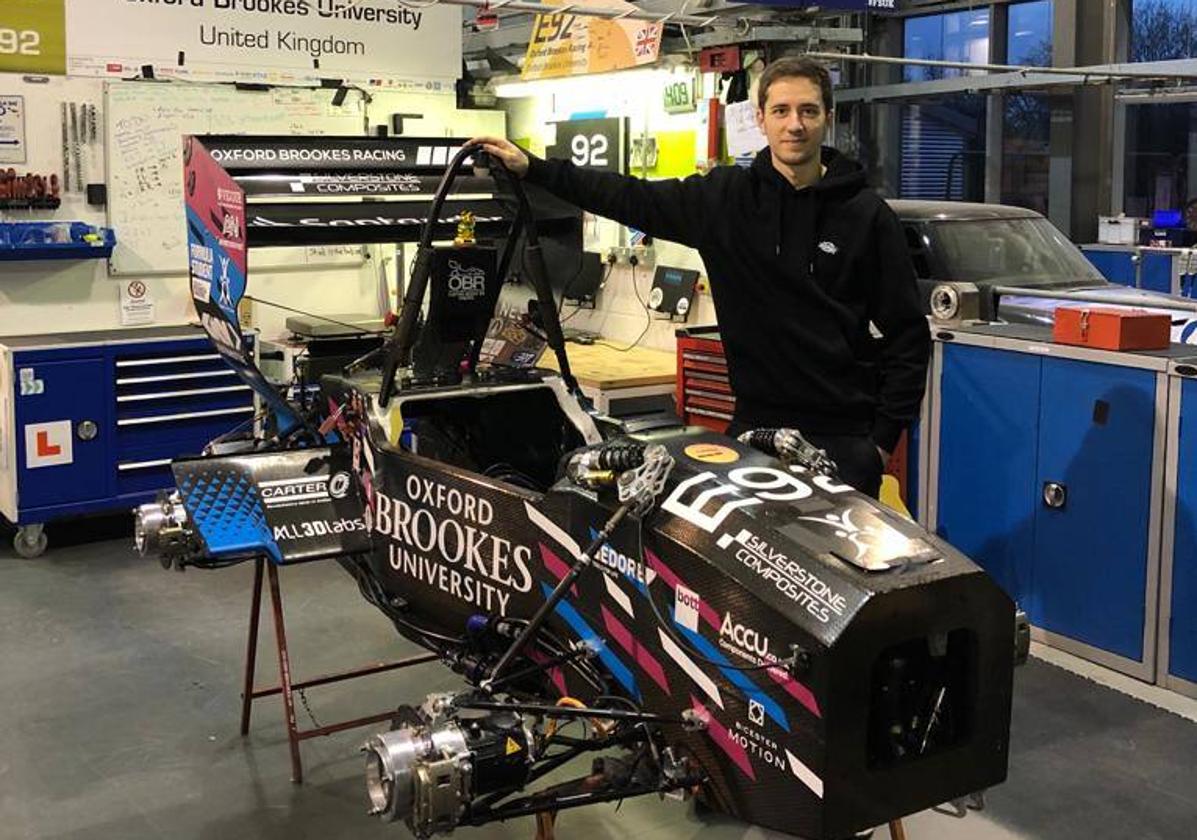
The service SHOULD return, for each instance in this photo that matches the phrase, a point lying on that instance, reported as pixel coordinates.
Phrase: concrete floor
(119, 688)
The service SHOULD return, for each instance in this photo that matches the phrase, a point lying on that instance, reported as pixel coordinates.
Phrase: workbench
(620, 383)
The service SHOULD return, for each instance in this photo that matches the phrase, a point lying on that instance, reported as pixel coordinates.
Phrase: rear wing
(243, 192)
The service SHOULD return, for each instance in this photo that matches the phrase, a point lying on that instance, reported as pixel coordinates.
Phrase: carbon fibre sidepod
(897, 697)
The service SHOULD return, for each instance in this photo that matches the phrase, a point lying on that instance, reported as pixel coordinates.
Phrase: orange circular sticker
(712, 453)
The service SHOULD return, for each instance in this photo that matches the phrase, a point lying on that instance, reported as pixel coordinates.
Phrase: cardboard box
(1112, 329)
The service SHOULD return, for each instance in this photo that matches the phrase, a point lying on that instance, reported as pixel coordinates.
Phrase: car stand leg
(545, 822)
(251, 647)
(286, 687)
(284, 672)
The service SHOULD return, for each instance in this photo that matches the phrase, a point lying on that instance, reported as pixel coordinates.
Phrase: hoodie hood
(843, 174)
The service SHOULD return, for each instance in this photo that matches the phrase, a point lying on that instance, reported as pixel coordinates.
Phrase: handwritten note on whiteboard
(146, 126)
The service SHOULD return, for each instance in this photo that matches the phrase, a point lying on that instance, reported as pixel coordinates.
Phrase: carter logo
(828, 247)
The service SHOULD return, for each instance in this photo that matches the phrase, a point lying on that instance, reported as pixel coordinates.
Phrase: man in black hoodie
(814, 290)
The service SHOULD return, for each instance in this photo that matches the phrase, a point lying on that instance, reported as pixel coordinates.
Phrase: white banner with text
(376, 42)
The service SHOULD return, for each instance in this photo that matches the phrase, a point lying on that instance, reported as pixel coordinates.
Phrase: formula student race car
(715, 617)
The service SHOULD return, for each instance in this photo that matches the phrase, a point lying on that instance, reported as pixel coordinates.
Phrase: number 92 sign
(591, 144)
(33, 36)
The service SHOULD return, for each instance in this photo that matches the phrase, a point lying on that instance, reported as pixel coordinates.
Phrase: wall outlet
(645, 255)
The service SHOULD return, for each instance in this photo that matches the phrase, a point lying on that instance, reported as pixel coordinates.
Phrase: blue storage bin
(55, 241)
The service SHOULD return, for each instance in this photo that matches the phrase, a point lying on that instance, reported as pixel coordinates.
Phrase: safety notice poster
(12, 129)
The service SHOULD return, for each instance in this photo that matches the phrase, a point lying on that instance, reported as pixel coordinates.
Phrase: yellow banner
(33, 36)
(568, 44)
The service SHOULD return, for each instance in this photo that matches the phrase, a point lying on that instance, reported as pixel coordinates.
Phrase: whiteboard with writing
(145, 127)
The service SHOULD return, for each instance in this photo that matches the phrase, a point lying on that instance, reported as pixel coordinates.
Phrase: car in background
(1000, 245)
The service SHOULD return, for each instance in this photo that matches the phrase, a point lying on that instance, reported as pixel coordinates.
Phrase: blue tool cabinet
(1178, 587)
(89, 422)
(1168, 270)
(1045, 465)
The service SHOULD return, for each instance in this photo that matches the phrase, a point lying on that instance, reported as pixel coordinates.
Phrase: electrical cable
(648, 315)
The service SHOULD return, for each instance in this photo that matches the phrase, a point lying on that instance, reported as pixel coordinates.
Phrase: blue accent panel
(228, 514)
(987, 461)
(1182, 639)
(588, 115)
(1115, 266)
(735, 677)
(1090, 569)
(587, 634)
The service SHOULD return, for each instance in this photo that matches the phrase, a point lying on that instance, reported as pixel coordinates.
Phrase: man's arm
(906, 341)
(672, 209)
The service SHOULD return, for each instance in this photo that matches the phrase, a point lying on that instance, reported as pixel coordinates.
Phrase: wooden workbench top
(603, 367)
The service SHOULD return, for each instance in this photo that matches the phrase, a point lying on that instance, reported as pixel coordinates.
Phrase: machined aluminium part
(790, 446)
(956, 303)
(427, 776)
(161, 527)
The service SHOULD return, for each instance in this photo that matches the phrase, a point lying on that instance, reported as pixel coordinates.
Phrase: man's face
(793, 120)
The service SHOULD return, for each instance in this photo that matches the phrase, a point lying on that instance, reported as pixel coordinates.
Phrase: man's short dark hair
(796, 67)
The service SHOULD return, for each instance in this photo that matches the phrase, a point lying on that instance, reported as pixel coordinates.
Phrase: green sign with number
(679, 95)
(33, 36)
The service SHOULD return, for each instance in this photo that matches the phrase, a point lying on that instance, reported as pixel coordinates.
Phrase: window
(1012, 252)
(1160, 143)
(955, 36)
(943, 149)
(1163, 30)
(1029, 37)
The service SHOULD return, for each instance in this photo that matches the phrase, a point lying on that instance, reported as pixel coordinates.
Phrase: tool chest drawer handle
(203, 374)
(193, 392)
(189, 415)
(167, 360)
(143, 465)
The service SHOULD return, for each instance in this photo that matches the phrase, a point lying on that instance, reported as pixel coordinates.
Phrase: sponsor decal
(789, 577)
(466, 283)
(754, 742)
(260, 221)
(712, 453)
(440, 536)
(748, 486)
(48, 444)
(686, 606)
(756, 713)
(829, 248)
(317, 528)
(294, 492)
(743, 640)
(615, 563)
(30, 385)
(260, 154)
(338, 485)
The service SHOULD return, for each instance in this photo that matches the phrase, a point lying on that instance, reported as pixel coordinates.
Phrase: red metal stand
(287, 688)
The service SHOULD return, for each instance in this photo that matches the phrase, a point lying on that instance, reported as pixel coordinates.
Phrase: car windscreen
(1011, 252)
